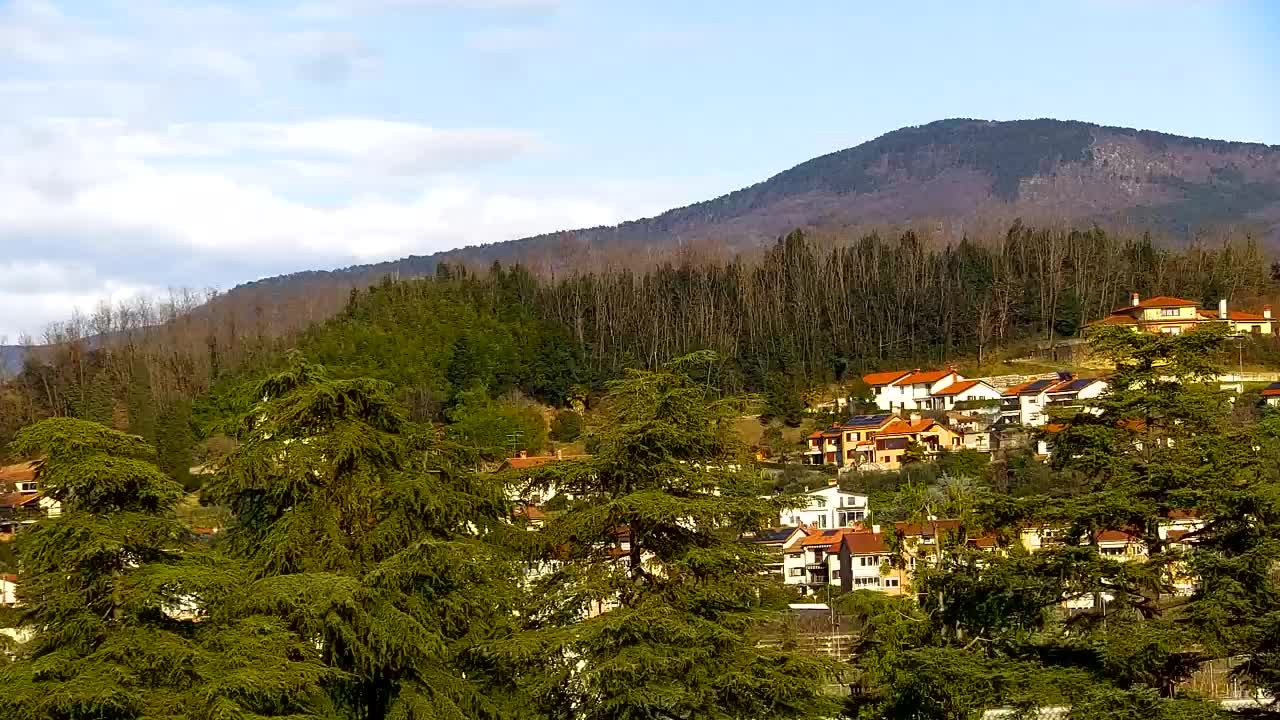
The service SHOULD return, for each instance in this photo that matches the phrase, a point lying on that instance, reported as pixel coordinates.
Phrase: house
(961, 391)
(885, 391)
(776, 541)
(1025, 404)
(891, 443)
(1271, 394)
(21, 502)
(1074, 392)
(828, 507)
(8, 590)
(974, 431)
(902, 390)
(1173, 316)
(866, 563)
(840, 445)
(521, 490)
(813, 563)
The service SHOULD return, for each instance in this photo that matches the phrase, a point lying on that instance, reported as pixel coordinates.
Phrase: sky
(150, 144)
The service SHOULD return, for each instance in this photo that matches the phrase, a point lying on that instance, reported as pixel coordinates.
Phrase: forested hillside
(806, 312)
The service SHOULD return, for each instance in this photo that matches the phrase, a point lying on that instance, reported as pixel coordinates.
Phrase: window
(899, 458)
(795, 520)
(835, 574)
(29, 487)
(822, 521)
(865, 581)
(820, 502)
(868, 561)
(891, 582)
(793, 556)
(796, 572)
(1257, 329)
(1169, 312)
(1171, 330)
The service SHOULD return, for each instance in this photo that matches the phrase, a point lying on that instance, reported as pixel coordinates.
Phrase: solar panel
(860, 420)
(1038, 385)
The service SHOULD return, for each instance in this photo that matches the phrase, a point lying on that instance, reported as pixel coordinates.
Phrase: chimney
(1133, 299)
(875, 529)
(524, 454)
(1266, 311)
(1222, 309)
(915, 417)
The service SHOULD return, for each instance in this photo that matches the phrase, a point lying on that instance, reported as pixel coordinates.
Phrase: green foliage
(498, 429)
(686, 598)
(783, 399)
(567, 426)
(356, 529)
(105, 642)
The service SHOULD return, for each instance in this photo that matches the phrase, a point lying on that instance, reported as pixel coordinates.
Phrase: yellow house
(1173, 316)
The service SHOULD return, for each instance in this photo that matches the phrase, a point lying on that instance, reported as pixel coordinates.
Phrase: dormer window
(27, 487)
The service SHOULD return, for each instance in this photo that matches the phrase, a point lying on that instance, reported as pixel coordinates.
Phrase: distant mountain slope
(958, 175)
(952, 172)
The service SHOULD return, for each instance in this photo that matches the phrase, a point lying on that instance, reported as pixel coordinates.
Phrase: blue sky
(148, 143)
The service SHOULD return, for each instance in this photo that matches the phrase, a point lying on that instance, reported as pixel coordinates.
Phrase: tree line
(802, 312)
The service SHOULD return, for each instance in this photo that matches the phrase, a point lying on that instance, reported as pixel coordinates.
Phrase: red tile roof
(1115, 536)
(830, 538)
(1234, 315)
(958, 387)
(9, 577)
(1176, 535)
(17, 500)
(885, 378)
(865, 542)
(907, 427)
(532, 513)
(522, 463)
(1159, 301)
(928, 376)
(22, 472)
(1114, 320)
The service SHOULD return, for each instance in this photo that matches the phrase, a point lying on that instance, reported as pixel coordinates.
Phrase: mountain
(952, 173)
(956, 176)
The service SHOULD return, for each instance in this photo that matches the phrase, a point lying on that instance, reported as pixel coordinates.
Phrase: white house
(8, 590)
(960, 391)
(1028, 404)
(814, 562)
(888, 395)
(828, 507)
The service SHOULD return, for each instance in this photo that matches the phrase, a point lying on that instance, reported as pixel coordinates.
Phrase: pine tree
(100, 585)
(654, 607)
(357, 529)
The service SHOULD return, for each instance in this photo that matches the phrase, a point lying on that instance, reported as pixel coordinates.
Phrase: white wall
(827, 508)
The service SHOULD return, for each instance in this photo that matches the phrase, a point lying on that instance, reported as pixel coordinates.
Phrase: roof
(1034, 387)
(532, 513)
(774, 535)
(1074, 385)
(22, 472)
(885, 378)
(9, 577)
(1271, 390)
(17, 500)
(928, 376)
(907, 427)
(865, 542)
(986, 542)
(829, 538)
(1158, 302)
(521, 463)
(1177, 535)
(958, 387)
(1115, 536)
(1234, 315)
(863, 421)
(1114, 320)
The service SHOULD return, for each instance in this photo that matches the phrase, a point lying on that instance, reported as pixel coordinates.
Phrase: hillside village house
(828, 507)
(21, 502)
(902, 390)
(973, 430)
(878, 442)
(776, 541)
(866, 563)
(1174, 316)
(1271, 394)
(961, 391)
(1028, 404)
(840, 445)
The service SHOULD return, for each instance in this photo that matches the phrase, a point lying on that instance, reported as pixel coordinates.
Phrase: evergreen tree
(356, 529)
(654, 607)
(108, 640)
